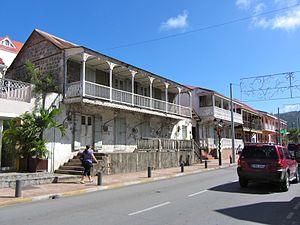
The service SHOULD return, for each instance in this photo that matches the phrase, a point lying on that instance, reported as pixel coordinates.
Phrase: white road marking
(197, 193)
(150, 208)
(290, 215)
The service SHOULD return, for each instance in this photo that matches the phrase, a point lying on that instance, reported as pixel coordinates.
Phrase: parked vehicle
(294, 149)
(267, 163)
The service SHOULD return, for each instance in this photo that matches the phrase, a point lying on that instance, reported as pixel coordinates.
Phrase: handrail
(74, 89)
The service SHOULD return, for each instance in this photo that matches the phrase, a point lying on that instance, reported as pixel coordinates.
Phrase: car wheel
(243, 182)
(285, 184)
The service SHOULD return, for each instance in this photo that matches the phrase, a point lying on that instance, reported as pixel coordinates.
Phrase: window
(89, 120)
(184, 132)
(264, 152)
(286, 153)
(83, 120)
(280, 152)
(205, 101)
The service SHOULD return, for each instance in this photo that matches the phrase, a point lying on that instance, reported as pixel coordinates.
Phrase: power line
(200, 29)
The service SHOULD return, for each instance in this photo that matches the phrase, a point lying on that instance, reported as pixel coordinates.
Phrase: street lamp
(218, 128)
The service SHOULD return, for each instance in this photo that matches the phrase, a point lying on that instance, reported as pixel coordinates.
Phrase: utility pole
(279, 138)
(232, 125)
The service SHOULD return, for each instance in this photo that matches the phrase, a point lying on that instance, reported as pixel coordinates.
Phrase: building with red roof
(8, 51)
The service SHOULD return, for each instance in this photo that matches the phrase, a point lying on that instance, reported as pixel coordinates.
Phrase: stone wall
(134, 162)
(45, 56)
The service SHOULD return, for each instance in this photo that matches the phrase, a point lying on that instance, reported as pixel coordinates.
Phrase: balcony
(252, 126)
(219, 113)
(15, 90)
(103, 92)
(15, 98)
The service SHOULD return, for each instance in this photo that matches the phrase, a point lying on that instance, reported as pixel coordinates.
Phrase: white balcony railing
(124, 97)
(15, 90)
(220, 113)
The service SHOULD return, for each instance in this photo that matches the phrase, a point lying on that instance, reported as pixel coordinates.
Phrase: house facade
(212, 120)
(15, 99)
(272, 127)
(105, 103)
(251, 129)
(8, 51)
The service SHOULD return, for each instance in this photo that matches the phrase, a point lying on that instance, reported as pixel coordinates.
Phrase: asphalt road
(213, 197)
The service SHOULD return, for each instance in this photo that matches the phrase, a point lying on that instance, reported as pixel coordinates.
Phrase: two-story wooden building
(106, 103)
(212, 120)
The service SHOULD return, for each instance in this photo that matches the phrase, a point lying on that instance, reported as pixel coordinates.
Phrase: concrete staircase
(74, 167)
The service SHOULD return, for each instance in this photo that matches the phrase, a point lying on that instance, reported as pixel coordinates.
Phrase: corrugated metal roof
(58, 42)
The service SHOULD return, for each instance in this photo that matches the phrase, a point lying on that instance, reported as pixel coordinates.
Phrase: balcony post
(65, 76)
(178, 103)
(133, 73)
(84, 57)
(191, 103)
(111, 67)
(1, 130)
(166, 94)
(151, 91)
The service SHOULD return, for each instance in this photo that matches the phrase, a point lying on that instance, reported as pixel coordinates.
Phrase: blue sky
(210, 58)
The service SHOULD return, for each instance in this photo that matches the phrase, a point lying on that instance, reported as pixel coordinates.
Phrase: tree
(26, 132)
(43, 83)
(293, 135)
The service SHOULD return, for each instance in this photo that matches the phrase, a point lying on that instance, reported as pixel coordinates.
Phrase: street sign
(283, 131)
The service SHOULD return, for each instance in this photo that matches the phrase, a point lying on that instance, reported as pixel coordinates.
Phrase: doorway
(86, 130)
(120, 134)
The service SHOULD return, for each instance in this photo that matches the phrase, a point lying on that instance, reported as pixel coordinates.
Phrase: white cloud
(259, 8)
(178, 22)
(288, 22)
(288, 19)
(243, 4)
(290, 108)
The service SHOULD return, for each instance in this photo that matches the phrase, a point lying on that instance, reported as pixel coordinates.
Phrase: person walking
(87, 158)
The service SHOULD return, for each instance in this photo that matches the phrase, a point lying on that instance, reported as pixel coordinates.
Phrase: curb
(105, 187)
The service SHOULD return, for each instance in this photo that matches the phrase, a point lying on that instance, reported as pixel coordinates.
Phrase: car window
(281, 152)
(286, 153)
(259, 152)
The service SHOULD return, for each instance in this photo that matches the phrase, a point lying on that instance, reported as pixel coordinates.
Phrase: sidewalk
(50, 191)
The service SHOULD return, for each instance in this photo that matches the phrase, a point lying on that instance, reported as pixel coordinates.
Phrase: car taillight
(239, 162)
(276, 165)
(280, 164)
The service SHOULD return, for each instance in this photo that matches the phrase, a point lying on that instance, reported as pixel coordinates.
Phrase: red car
(267, 163)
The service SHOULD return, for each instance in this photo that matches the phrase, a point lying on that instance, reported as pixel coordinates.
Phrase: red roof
(18, 45)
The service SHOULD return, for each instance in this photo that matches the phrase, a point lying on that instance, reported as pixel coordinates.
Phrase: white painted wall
(8, 57)
(12, 108)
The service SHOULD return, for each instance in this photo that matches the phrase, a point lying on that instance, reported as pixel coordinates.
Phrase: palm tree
(43, 83)
(26, 132)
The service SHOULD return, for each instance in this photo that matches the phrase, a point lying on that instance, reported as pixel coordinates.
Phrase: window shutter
(77, 131)
(98, 131)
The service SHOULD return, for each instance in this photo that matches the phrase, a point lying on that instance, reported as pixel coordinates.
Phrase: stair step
(69, 167)
(73, 172)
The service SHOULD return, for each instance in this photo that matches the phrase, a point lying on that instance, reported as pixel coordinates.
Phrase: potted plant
(25, 133)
